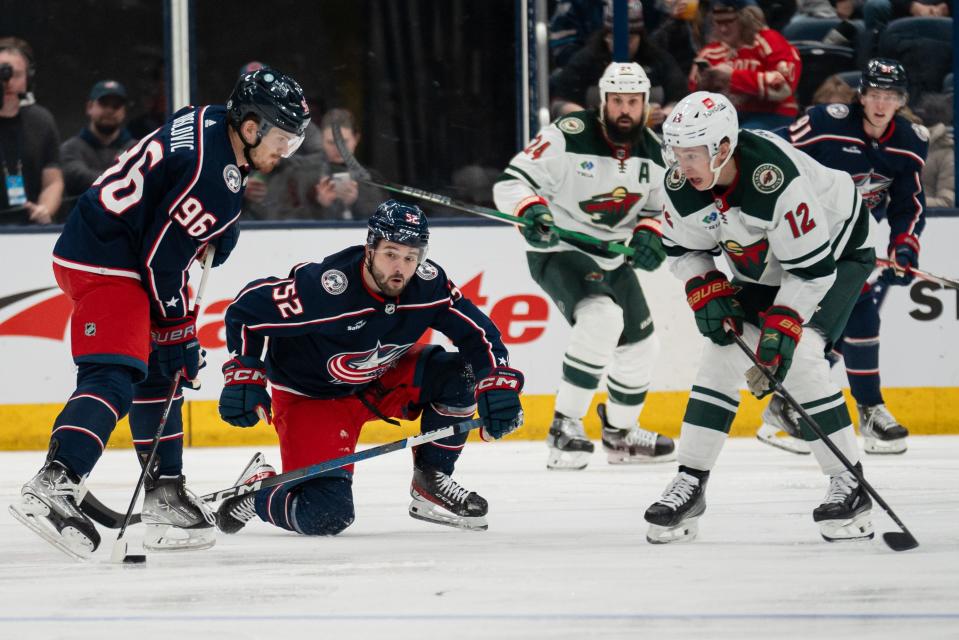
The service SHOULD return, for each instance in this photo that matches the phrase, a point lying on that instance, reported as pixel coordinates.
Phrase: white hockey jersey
(592, 185)
(783, 222)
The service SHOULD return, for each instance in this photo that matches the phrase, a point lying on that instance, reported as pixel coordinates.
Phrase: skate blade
(883, 447)
(165, 537)
(623, 457)
(851, 529)
(559, 460)
(767, 435)
(429, 512)
(684, 532)
(257, 459)
(69, 541)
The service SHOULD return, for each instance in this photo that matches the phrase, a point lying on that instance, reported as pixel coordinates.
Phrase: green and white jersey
(783, 222)
(592, 185)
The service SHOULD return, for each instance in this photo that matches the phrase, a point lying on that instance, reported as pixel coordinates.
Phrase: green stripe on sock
(579, 378)
(715, 394)
(704, 414)
(830, 421)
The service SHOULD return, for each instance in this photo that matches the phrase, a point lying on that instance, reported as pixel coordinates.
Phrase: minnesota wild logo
(750, 260)
(610, 208)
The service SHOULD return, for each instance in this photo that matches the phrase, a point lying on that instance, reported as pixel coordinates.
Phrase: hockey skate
(48, 506)
(675, 516)
(845, 513)
(635, 445)
(780, 418)
(175, 519)
(440, 499)
(569, 448)
(881, 432)
(235, 512)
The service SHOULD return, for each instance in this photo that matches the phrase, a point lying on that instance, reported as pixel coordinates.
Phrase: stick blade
(900, 540)
(119, 552)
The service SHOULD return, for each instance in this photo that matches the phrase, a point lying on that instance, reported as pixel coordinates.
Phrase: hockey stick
(360, 174)
(119, 554)
(316, 469)
(896, 540)
(922, 275)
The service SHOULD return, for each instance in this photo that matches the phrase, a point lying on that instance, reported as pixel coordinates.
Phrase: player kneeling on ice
(342, 351)
(796, 239)
(597, 173)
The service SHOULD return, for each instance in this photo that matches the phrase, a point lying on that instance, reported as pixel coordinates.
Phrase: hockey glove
(779, 334)
(711, 297)
(225, 243)
(647, 243)
(904, 251)
(541, 234)
(177, 347)
(497, 397)
(244, 397)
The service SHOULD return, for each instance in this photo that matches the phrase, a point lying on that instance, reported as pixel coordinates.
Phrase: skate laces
(880, 418)
(450, 487)
(61, 485)
(244, 509)
(572, 428)
(201, 506)
(642, 438)
(680, 490)
(840, 486)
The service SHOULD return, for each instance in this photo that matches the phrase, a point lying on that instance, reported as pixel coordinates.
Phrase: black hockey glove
(778, 336)
(177, 347)
(541, 234)
(904, 251)
(497, 397)
(647, 243)
(225, 243)
(244, 395)
(711, 298)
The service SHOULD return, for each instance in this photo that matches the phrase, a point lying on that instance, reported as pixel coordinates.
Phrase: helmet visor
(282, 142)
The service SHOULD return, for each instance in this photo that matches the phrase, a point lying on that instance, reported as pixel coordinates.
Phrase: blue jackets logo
(365, 366)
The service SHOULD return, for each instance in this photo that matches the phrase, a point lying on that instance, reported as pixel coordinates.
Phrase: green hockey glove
(710, 296)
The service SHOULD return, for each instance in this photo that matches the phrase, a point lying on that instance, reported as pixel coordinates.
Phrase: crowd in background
(772, 58)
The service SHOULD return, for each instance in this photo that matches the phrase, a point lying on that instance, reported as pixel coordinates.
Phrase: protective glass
(283, 142)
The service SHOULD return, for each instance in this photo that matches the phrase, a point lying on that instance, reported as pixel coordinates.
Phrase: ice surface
(565, 557)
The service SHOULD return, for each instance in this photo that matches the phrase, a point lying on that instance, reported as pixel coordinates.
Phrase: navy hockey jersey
(149, 215)
(330, 335)
(887, 171)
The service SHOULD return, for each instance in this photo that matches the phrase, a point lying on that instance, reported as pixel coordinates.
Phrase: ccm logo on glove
(244, 376)
(499, 382)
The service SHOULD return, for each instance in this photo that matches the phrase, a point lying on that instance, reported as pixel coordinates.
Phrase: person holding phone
(339, 196)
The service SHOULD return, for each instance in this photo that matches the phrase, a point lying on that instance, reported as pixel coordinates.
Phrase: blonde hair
(751, 22)
(833, 89)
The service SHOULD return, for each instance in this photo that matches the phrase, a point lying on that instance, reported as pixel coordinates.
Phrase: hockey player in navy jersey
(127, 246)
(884, 153)
(342, 351)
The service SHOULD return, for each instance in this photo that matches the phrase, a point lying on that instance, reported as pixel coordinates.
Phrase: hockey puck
(134, 559)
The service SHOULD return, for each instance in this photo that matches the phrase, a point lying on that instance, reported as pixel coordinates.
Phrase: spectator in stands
(29, 144)
(569, 87)
(89, 153)
(878, 13)
(750, 63)
(938, 174)
(683, 32)
(340, 197)
(570, 26)
(833, 90)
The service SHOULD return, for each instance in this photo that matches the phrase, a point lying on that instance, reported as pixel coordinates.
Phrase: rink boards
(918, 360)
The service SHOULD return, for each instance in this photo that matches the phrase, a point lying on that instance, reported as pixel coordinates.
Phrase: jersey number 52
(287, 302)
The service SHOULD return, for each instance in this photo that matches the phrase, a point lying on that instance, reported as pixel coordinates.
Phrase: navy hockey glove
(541, 234)
(904, 251)
(177, 346)
(647, 243)
(778, 336)
(497, 397)
(225, 243)
(711, 297)
(244, 395)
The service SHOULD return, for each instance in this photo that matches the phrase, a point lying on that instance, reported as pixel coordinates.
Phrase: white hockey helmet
(701, 119)
(623, 77)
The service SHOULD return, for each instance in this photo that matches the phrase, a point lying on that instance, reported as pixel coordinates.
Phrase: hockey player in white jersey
(601, 174)
(796, 239)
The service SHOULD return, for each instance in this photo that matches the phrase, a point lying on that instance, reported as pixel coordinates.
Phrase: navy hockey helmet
(884, 73)
(401, 223)
(276, 99)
